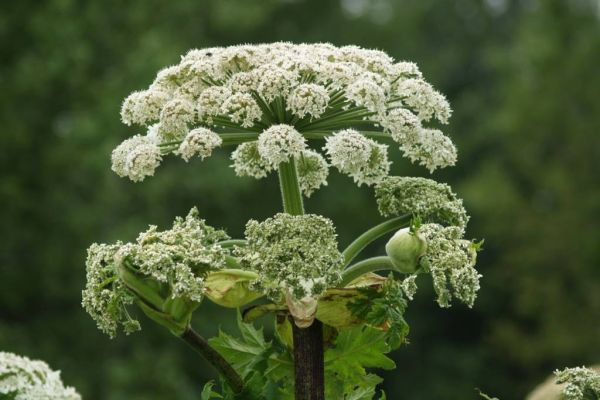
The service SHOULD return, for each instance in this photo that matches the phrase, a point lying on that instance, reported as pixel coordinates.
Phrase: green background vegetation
(523, 78)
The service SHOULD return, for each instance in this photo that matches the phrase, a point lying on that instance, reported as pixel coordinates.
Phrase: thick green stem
(309, 371)
(362, 267)
(290, 188)
(373, 234)
(200, 344)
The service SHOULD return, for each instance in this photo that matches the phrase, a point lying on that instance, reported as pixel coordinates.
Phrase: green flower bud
(230, 287)
(404, 249)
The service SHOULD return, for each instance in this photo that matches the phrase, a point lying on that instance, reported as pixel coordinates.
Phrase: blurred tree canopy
(522, 77)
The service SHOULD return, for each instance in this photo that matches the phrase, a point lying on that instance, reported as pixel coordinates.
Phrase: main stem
(308, 342)
(200, 344)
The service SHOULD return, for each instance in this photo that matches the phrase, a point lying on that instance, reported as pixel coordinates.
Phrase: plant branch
(198, 343)
(362, 267)
(373, 234)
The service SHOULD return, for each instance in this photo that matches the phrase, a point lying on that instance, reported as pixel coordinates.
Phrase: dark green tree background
(523, 77)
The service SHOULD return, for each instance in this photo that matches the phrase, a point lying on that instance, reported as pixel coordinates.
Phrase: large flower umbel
(271, 98)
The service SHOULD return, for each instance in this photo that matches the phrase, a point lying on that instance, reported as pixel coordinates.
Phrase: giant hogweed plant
(294, 110)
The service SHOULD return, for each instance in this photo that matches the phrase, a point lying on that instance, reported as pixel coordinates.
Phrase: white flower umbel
(24, 379)
(428, 199)
(367, 93)
(242, 109)
(308, 99)
(357, 156)
(274, 82)
(402, 125)
(450, 260)
(242, 82)
(295, 255)
(136, 158)
(424, 99)
(431, 148)
(175, 117)
(211, 102)
(279, 144)
(318, 89)
(312, 171)
(176, 261)
(248, 162)
(199, 141)
(580, 383)
(143, 107)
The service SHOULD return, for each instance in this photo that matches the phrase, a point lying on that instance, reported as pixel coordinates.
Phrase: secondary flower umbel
(24, 379)
(270, 98)
(160, 268)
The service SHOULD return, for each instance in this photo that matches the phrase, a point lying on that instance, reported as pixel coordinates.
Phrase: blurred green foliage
(524, 81)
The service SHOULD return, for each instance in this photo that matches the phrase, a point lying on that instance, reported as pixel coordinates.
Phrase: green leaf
(262, 364)
(241, 354)
(361, 393)
(356, 349)
(384, 308)
(208, 393)
(250, 334)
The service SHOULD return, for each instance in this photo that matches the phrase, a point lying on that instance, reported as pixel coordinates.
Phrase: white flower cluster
(308, 99)
(312, 171)
(362, 158)
(176, 260)
(105, 297)
(248, 162)
(450, 260)
(136, 158)
(199, 141)
(314, 88)
(581, 383)
(428, 199)
(24, 379)
(279, 144)
(293, 255)
(257, 159)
